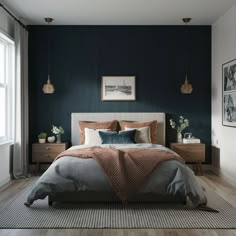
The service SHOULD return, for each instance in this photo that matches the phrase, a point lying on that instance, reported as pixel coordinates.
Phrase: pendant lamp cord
(186, 21)
(48, 21)
(186, 49)
(48, 55)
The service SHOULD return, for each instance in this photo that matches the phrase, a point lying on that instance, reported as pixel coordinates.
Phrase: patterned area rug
(92, 215)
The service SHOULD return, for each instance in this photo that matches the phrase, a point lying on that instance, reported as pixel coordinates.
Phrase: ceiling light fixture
(48, 87)
(186, 88)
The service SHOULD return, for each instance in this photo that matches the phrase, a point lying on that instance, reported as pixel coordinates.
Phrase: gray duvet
(69, 174)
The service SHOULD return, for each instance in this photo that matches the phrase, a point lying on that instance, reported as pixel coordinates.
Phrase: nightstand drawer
(46, 152)
(44, 157)
(190, 152)
(191, 155)
(49, 148)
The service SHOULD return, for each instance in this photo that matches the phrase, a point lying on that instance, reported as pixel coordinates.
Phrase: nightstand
(46, 152)
(191, 153)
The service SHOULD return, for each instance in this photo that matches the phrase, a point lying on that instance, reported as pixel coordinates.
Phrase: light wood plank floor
(209, 180)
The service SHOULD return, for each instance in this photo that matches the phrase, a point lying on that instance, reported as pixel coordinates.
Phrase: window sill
(6, 143)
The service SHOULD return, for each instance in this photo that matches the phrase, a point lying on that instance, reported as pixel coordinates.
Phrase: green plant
(183, 124)
(42, 135)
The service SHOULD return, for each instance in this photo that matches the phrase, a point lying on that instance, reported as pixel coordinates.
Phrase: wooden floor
(209, 180)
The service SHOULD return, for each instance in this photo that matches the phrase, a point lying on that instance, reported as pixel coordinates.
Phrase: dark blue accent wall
(157, 55)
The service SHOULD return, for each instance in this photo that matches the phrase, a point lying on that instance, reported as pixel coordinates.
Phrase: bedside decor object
(42, 137)
(58, 132)
(118, 88)
(183, 124)
(229, 93)
(186, 88)
(51, 139)
(188, 138)
(48, 87)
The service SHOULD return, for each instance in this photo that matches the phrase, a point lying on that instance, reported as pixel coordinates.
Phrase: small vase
(179, 137)
(58, 138)
(51, 139)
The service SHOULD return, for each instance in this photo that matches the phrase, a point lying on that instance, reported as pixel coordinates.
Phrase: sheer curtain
(21, 142)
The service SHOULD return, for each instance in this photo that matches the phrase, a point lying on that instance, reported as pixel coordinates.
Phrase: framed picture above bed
(229, 93)
(118, 88)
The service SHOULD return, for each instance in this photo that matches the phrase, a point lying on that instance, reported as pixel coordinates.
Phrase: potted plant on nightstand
(42, 137)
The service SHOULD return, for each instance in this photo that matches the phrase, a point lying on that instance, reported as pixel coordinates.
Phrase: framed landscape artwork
(118, 88)
(229, 93)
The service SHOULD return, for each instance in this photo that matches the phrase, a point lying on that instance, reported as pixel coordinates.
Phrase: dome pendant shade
(186, 88)
(48, 87)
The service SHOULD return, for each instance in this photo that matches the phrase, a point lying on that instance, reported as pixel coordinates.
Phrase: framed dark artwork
(229, 93)
(118, 88)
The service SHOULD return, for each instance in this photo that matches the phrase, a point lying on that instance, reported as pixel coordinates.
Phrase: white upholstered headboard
(160, 117)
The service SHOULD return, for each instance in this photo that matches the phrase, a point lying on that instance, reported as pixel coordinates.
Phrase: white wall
(223, 50)
(5, 164)
(6, 23)
(6, 27)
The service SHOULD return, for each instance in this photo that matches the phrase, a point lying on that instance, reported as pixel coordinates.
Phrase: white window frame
(9, 85)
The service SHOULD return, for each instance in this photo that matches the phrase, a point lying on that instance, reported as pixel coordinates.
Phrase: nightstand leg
(194, 167)
(38, 167)
(200, 168)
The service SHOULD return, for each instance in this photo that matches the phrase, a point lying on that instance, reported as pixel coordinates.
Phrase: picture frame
(118, 88)
(229, 93)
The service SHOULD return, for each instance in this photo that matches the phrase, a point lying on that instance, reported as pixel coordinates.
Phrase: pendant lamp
(186, 88)
(48, 88)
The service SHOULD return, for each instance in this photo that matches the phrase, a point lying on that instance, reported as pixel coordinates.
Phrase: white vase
(179, 137)
(58, 138)
(51, 139)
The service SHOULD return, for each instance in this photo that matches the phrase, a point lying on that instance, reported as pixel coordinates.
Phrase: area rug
(93, 215)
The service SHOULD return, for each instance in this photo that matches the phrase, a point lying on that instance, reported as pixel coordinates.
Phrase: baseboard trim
(224, 175)
(5, 181)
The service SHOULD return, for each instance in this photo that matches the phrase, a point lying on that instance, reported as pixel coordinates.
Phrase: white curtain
(20, 150)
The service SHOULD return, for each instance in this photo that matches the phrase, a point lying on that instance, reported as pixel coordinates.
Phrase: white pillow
(142, 134)
(92, 136)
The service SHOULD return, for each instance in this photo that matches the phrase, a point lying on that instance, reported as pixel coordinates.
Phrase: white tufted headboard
(160, 117)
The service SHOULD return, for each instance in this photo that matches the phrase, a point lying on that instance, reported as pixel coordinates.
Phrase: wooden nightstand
(191, 153)
(46, 152)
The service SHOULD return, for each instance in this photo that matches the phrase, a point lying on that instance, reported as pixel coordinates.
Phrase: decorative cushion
(151, 124)
(92, 136)
(111, 125)
(142, 135)
(123, 137)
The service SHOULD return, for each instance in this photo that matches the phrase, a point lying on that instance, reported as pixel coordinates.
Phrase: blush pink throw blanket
(126, 169)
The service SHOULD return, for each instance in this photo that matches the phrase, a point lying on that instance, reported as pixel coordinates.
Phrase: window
(6, 88)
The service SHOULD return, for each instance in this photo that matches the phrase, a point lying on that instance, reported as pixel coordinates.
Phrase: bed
(71, 179)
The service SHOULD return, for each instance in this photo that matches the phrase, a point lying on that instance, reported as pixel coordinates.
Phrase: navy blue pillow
(123, 137)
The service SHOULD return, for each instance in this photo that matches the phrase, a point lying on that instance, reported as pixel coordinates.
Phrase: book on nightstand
(191, 140)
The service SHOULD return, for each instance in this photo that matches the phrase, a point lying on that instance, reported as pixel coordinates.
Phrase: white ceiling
(119, 12)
